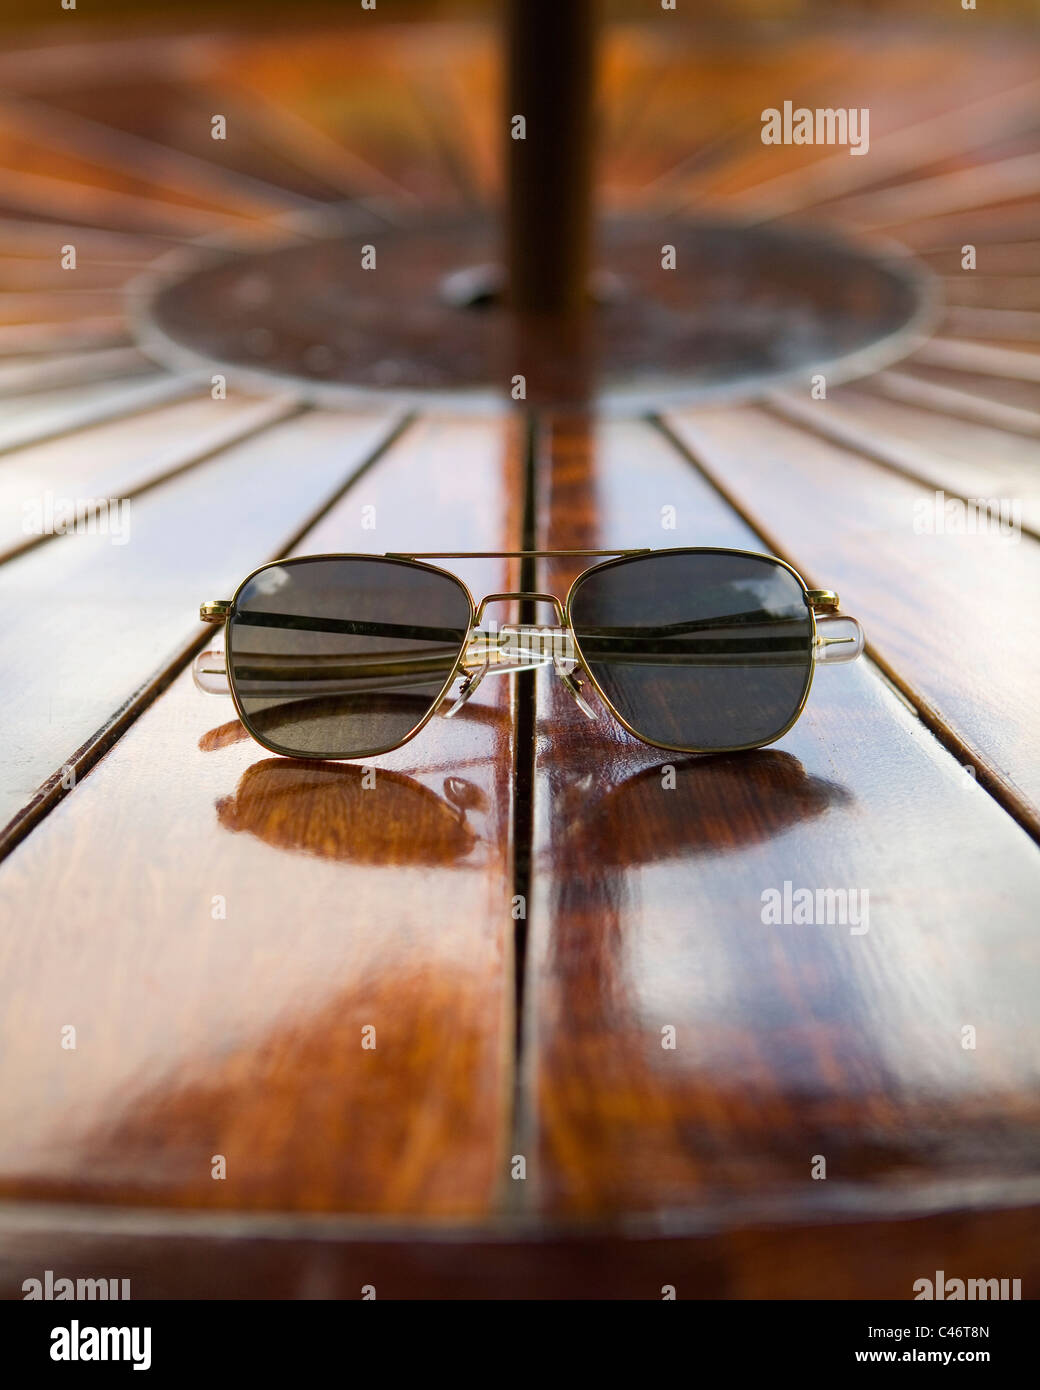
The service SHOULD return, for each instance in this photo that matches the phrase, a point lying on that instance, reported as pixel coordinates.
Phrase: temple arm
(516, 648)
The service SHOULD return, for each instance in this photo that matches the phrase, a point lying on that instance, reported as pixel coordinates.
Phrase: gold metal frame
(824, 600)
(228, 607)
(703, 550)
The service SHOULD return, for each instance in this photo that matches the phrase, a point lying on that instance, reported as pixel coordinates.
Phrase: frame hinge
(214, 610)
(822, 599)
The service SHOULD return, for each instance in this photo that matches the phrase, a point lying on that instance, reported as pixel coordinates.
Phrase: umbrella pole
(550, 84)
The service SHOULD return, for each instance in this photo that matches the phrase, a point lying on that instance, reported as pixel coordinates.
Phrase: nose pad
(574, 684)
(466, 689)
(519, 648)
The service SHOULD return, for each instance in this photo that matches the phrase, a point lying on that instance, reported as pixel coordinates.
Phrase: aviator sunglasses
(697, 650)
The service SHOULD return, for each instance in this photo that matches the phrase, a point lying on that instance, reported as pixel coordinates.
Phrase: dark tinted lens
(697, 649)
(335, 658)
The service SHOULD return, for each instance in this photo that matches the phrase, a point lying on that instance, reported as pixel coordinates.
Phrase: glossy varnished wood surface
(392, 905)
(90, 619)
(951, 612)
(957, 457)
(200, 1033)
(791, 1041)
(183, 1255)
(110, 460)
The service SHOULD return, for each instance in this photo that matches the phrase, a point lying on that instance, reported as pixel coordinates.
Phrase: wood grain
(345, 907)
(986, 388)
(947, 611)
(219, 924)
(31, 375)
(91, 332)
(120, 458)
(1017, 363)
(646, 913)
(88, 619)
(376, 116)
(953, 402)
(191, 1255)
(960, 122)
(38, 416)
(965, 459)
(137, 147)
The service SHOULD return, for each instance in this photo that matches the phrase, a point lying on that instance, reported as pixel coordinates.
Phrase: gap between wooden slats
(95, 627)
(347, 906)
(946, 614)
(790, 1041)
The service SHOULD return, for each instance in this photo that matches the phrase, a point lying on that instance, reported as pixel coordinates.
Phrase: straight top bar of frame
(505, 554)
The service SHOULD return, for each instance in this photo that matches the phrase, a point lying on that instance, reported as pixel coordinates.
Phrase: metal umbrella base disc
(745, 309)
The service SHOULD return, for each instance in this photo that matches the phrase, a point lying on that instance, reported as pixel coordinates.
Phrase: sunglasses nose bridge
(520, 647)
(521, 594)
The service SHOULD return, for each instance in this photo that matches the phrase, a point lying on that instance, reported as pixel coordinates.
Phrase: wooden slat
(201, 176)
(1001, 181)
(977, 225)
(1011, 325)
(374, 116)
(68, 303)
(42, 65)
(44, 272)
(31, 151)
(46, 415)
(68, 369)
(346, 907)
(965, 460)
(791, 1041)
(719, 87)
(956, 355)
(952, 133)
(260, 155)
(87, 333)
(1011, 259)
(87, 621)
(206, 1255)
(949, 614)
(462, 87)
(314, 154)
(900, 87)
(120, 458)
(992, 291)
(953, 403)
(22, 237)
(50, 195)
(984, 386)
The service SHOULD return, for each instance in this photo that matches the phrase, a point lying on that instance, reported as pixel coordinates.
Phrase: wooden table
(223, 928)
